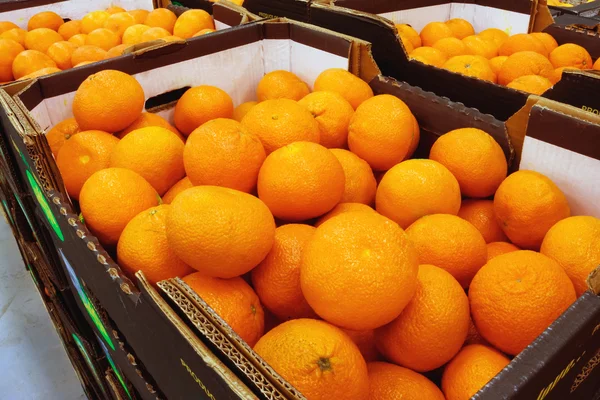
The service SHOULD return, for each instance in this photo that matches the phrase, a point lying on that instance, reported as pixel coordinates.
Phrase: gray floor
(33, 362)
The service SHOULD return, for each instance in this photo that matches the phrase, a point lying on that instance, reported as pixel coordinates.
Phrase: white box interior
(237, 71)
(73, 10)
(562, 165)
(481, 17)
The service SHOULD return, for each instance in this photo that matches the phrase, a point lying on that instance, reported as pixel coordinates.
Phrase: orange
(573, 243)
(281, 84)
(434, 31)
(524, 63)
(333, 113)
(451, 47)
(88, 54)
(534, 84)
(365, 341)
(480, 47)
(527, 204)
(240, 111)
(103, 38)
(389, 381)
(29, 61)
(475, 66)
(61, 52)
(200, 104)
(204, 32)
(41, 39)
(522, 42)
(139, 15)
(318, 359)
(117, 51)
(480, 213)
(83, 154)
(81, 64)
(7, 25)
(473, 337)
(432, 56)
(45, 19)
(108, 100)
(494, 35)
(172, 39)
(471, 370)
(61, 132)
(93, 21)
(177, 188)
(474, 158)
(415, 188)
(133, 34)
(360, 185)
(433, 326)
(354, 89)
(381, 131)
(143, 247)
(571, 55)
(280, 122)
(161, 18)
(451, 243)
(17, 34)
(115, 10)
(300, 181)
(234, 301)
(497, 62)
(154, 34)
(365, 254)
(460, 28)
(9, 50)
(410, 33)
(191, 22)
(78, 39)
(558, 72)
(106, 189)
(516, 296)
(222, 152)
(596, 65)
(119, 22)
(41, 72)
(147, 119)
(153, 152)
(277, 278)
(408, 46)
(549, 42)
(221, 232)
(70, 29)
(343, 208)
(498, 248)
(415, 139)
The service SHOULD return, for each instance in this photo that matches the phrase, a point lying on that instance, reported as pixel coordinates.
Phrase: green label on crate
(87, 303)
(115, 369)
(88, 362)
(43, 202)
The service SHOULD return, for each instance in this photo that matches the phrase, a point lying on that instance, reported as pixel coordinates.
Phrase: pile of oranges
(528, 62)
(301, 219)
(51, 45)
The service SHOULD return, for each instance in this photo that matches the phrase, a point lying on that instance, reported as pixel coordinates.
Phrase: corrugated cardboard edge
(217, 332)
(593, 281)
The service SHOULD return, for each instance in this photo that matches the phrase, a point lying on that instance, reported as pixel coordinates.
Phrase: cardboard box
(373, 21)
(181, 365)
(179, 340)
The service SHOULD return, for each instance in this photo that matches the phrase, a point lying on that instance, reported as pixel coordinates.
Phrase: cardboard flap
(579, 89)
(231, 14)
(593, 281)
(210, 326)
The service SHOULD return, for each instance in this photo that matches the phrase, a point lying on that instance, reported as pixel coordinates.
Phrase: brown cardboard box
(373, 21)
(181, 364)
